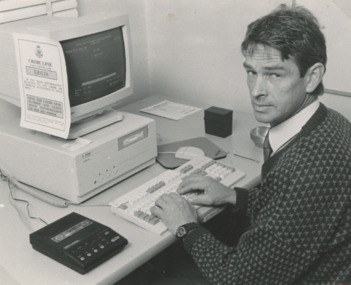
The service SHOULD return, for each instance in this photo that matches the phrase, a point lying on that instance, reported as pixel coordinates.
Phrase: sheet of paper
(43, 85)
(170, 110)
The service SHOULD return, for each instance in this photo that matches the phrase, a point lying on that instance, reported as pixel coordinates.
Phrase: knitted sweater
(301, 215)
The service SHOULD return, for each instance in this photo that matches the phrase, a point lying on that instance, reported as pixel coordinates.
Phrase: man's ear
(314, 76)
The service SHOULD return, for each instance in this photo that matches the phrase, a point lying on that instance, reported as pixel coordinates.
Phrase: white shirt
(286, 130)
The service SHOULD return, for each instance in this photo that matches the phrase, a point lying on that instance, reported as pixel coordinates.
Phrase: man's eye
(251, 73)
(274, 75)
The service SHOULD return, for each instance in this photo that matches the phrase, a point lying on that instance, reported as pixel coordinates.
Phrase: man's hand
(174, 211)
(209, 191)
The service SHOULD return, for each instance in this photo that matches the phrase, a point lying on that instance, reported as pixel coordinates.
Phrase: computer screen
(98, 58)
(96, 65)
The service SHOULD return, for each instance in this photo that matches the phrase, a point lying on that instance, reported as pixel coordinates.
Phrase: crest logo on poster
(39, 52)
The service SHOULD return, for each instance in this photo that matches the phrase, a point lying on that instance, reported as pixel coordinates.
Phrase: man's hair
(295, 32)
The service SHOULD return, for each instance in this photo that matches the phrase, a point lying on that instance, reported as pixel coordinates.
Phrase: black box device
(218, 121)
(77, 242)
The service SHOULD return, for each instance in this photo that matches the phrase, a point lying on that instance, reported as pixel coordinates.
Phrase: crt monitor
(98, 60)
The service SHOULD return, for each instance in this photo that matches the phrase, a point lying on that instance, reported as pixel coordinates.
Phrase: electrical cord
(13, 198)
(41, 195)
(37, 193)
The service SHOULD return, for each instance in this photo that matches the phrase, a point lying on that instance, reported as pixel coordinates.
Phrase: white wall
(194, 50)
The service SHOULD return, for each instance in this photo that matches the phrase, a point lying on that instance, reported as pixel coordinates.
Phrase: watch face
(181, 231)
(185, 229)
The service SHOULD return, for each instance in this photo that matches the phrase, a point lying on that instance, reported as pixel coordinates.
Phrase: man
(301, 212)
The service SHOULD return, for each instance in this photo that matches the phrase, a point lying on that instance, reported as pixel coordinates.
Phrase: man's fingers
(198, 200)
(192, 183)
(156, 211)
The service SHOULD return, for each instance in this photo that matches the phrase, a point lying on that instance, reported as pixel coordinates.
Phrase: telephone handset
(77, 242)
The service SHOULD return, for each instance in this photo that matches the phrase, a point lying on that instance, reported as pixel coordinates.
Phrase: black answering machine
(77, 242)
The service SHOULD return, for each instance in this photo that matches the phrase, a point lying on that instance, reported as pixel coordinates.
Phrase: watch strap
(185, 229)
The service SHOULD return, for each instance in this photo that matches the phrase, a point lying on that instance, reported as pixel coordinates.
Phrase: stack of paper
(13, 10)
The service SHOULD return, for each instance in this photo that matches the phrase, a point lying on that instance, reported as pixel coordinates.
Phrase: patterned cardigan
(301, 215)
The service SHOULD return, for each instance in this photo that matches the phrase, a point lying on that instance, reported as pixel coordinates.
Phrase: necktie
(267, 150)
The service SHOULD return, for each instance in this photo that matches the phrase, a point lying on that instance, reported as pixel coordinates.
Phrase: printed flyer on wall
(43, 85)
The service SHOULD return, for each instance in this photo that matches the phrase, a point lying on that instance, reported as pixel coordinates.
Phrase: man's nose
(259, 87)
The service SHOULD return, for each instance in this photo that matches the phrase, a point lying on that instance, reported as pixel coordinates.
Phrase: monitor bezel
(92, 24)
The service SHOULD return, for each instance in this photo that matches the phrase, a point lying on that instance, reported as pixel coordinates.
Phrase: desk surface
(20, 264)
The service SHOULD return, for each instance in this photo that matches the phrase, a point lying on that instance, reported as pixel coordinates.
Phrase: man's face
(276, 88)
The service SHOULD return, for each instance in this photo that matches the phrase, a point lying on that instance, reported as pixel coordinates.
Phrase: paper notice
(170, 110)
(43, 85)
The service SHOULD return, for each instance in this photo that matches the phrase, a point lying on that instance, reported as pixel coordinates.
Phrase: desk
(20, 264)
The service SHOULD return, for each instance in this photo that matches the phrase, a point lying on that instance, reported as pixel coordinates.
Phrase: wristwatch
(183, 230)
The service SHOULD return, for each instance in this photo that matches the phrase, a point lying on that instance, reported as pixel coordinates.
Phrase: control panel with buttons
(78, 242)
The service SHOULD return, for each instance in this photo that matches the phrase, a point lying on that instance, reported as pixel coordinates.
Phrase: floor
(174, 266)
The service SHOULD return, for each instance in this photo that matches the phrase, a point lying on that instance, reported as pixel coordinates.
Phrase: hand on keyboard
(206, 191)
(174, 211)
(135, 205)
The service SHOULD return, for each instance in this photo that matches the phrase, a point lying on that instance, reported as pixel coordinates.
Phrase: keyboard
(135, 205)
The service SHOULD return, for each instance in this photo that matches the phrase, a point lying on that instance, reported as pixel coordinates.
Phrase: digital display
(71, 231)
(96, 65)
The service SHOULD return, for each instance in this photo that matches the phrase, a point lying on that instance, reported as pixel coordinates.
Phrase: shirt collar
(282, 133)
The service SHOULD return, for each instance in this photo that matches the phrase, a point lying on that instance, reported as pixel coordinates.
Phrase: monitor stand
(94, 123)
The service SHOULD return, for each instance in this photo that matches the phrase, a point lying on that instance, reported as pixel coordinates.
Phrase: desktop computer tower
(76, 170)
